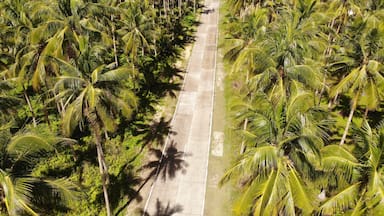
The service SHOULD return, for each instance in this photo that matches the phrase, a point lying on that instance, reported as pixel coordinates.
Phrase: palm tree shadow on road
(165, 165)
(156, 132)
(161, 210)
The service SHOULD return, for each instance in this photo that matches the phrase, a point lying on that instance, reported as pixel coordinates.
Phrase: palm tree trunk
(165, 8)
(95, 127)
(59, 104)
(114, 42)
(103, 171)
(180, 2)
(114, 48)
(333, 101)
(30, 107)
(327, 53)
(353, 108)
(242, 148)
(366, 113)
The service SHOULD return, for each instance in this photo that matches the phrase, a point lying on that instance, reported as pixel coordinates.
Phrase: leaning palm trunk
(95, 128)
(353, 108)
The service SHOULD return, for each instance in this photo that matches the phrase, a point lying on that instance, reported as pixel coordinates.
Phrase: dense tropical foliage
(306, 83)
(80, 83)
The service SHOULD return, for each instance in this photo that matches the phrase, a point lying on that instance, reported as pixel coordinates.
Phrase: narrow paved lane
(185, 192)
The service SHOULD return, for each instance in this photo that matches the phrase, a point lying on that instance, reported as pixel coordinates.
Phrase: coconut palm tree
(272, 53)
(78, 54)
(94, 94)
(361, 61)
(135, 30)
(17, 26)
(360, 184)
(284, 141)
(287, 48)
(17, 186)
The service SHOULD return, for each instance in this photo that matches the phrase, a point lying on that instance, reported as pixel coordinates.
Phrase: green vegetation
(80, 81)
(306, 98)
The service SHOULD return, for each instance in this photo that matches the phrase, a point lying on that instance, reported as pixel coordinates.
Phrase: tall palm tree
(135, 30)
(17, 29)
(364, 78)
(273, 53)
(286, 49)
(94, 94)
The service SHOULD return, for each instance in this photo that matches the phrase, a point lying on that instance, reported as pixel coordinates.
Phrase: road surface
(184, 193)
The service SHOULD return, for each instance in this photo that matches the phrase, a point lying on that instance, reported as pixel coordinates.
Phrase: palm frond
(306, 74)
(8, 102)
(301, 197)
(376, 192)
(233, 48)
(261, 160)
(244, 204)
(119, 74)
(336, 159)
(96, 72)
(340, 202)
(124, 105)
(108, 120)
(348, 83)
(73, 115)
(29, 143)
(270, 194)
(70, 82)
(359, 209)
(16, 194)
(67, 190)
(67, 69)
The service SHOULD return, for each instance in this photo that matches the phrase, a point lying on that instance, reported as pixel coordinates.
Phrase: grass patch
(219, 200)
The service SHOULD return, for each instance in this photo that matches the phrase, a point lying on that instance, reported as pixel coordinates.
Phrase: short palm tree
(360, 184)
(285, 137)
(16, 183)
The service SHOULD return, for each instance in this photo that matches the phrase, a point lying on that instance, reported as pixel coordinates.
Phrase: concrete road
(187, 151)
